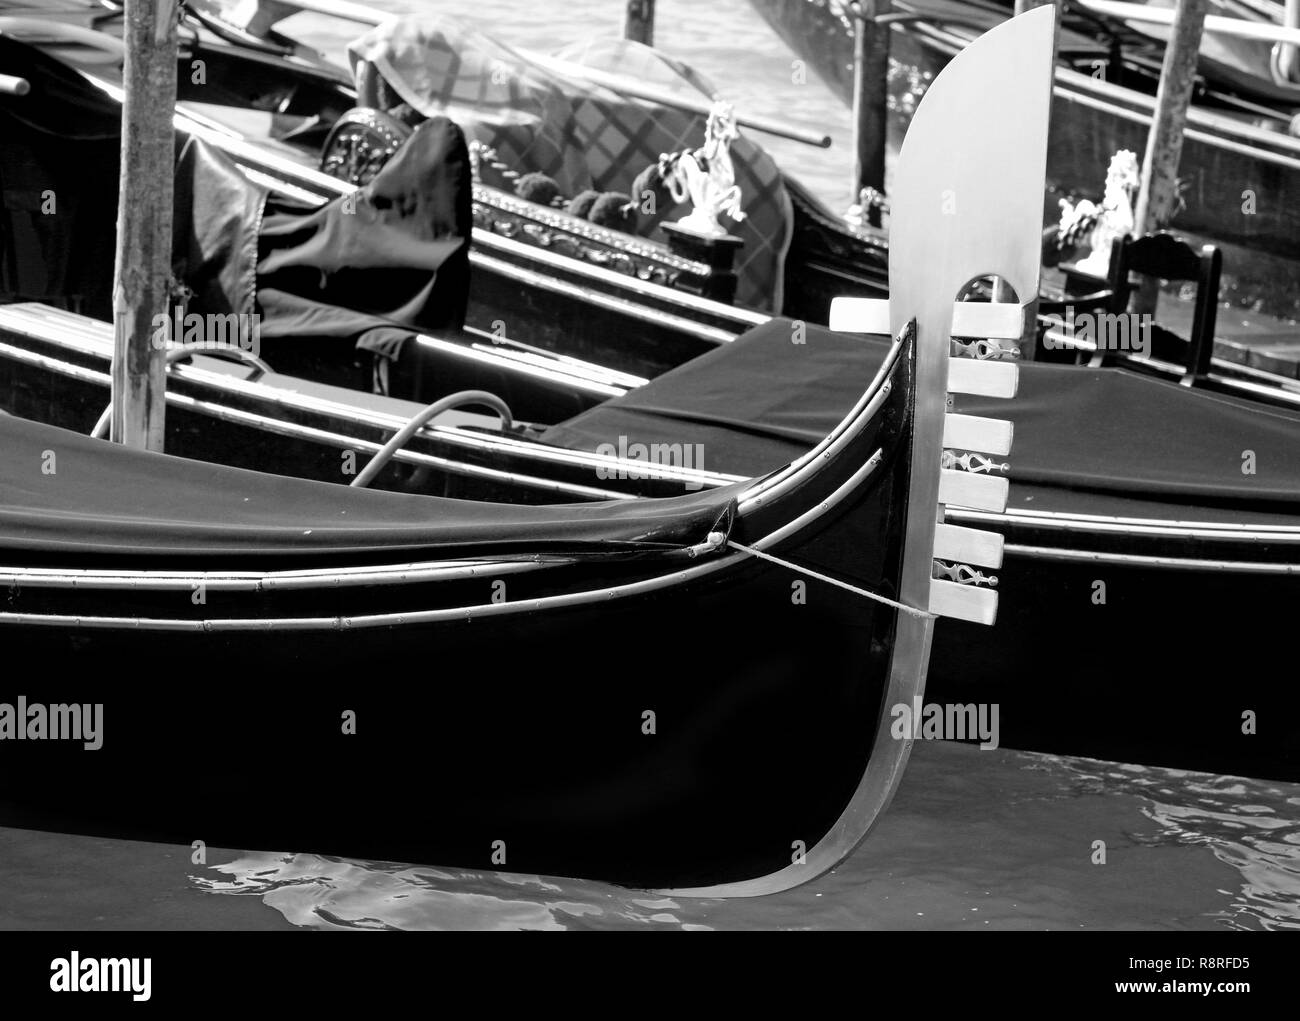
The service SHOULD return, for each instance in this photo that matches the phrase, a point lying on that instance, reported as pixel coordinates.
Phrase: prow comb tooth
(994, 320)
(968, 545)
(860, 315)
(983, 379)
(978, 492)
(971, 432)
(963, 602)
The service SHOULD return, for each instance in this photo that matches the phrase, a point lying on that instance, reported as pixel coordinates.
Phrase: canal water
(975, 839)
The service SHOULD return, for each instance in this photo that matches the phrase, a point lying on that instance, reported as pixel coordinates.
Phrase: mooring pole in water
(142, 274)
(1158, 192)
(870, 103)
(639, 22)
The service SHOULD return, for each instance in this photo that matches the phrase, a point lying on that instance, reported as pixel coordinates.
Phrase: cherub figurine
(706, 176)
(1099, 225)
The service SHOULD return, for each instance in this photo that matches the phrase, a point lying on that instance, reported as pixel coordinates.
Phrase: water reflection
(321, 892)
(975, 839)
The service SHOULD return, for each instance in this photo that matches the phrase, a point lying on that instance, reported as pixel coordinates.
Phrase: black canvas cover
(397, 252)
(755, 404)
(395, 255)
(58, 185)
(73, 497)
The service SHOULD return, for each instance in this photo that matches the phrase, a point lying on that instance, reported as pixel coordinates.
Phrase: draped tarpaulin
(582, 135)
(107, 500)
(349, 269)
(395, 253)
(761, 401)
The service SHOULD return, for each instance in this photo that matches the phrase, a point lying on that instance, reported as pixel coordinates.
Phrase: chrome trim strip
(779, 482)
(828, 504)
(1208, 134)
(1100, 525)
(270, 581)
(551, 374)
(622, 306)
(418, 617)
(1134, 559)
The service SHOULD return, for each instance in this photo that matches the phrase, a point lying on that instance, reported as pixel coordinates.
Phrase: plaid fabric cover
(582, 135)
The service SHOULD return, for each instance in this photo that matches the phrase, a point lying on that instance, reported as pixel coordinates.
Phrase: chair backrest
(1167, 257)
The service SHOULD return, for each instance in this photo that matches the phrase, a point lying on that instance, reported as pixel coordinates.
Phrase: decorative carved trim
(984, 350)
(963, 574)
(521, 220)
(360, 143)
(364, 139)
(969, 462)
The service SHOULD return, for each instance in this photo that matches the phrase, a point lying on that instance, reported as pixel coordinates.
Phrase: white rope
(831, 581)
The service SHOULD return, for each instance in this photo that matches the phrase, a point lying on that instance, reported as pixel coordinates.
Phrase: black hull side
(524, 726)
(1161, 674)
(527, 731)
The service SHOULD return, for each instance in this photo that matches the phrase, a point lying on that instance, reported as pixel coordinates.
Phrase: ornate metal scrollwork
(360, 143)
(984, 350)
(968, 462)
(511, 217)
(364, 139)
(962, 574)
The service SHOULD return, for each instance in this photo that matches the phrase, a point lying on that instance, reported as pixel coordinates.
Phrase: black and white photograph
(649, 465)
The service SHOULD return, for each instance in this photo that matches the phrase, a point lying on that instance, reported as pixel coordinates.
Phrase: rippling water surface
(992, 839)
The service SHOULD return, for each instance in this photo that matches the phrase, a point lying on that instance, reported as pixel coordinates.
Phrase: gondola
(532, 266)
(1109, 488)
(1239, 139)
(274, 660)
(271, 102)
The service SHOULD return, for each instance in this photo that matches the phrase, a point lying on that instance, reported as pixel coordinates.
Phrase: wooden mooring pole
(1158, 193)
(639, 22)
(142, 275)
(870, 102)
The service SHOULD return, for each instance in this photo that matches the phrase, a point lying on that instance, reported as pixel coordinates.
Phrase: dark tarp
(753, 405)
(103, 499)
(760, 401)
(396, 254)
(58, 185)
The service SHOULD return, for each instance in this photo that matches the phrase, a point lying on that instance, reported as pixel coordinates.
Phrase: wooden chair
(1167, 257)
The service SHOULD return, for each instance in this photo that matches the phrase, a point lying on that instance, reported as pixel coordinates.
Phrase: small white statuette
(1112, 219)
(706, 177)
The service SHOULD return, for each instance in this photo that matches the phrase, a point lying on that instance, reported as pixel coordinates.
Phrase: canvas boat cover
(582, 135)
(71, 497)
(757, 403)
(397, 254)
